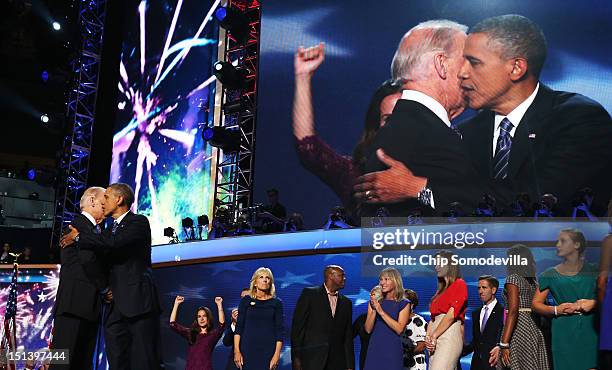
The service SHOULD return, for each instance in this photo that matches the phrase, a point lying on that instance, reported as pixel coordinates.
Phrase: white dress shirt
(90, 218)
(431, 104)
(514, 117)
(120, 218)
(490, 307)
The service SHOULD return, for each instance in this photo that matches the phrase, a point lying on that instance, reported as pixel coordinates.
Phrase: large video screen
(165, 89)
(199, 284)
(360, 39)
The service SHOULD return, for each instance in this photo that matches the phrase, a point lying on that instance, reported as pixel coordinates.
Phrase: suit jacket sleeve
(469, 347)
(582, 146)
(228, 337)
(137, 232)
(298, 324)
(349, 351)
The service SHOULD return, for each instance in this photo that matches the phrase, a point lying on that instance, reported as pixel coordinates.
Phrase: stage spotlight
(44, 118)
(56, 26)
(230, 76)
(187, 222)
(44, 76)
(234, 21)
(219, 137)
(31, 174)
(203, 220)
(170, 233)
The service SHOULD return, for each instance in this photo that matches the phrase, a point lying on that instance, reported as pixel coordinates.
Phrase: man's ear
(519, 68)
(440, 64)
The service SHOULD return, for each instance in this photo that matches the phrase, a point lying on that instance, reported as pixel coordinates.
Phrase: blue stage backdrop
(200, 283)
(165, 89)
(360, 39)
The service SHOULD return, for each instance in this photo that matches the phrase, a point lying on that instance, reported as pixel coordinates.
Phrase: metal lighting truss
(81, 107)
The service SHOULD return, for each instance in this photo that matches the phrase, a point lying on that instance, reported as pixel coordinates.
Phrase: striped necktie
(115, 227)
(502, 151)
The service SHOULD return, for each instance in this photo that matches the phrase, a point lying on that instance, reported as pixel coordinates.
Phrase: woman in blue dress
(388, 314)
(258, 337)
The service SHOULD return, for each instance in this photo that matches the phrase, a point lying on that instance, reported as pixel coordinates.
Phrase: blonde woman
(259, 330)
(444, 339)
(388, 314)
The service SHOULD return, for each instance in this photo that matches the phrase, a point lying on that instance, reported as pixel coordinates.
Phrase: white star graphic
(360, 298)
(290, 279)
(222, 267)
(42, 297)
(286, 356)
(187, 292)
(331, 256)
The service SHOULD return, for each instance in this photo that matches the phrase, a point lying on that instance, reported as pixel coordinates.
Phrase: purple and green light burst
(165, 89)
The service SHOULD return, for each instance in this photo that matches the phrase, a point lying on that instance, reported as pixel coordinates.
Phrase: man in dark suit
(132, 324)
(418, 154)
(487, 326)
(321, 331)
(528, 138)
(79, 295)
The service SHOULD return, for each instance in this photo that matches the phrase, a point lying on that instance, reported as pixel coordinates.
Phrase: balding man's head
(92, 202)
(334, 277)
(411, 61)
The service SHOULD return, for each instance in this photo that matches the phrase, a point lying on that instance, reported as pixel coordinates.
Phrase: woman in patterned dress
(522, 343)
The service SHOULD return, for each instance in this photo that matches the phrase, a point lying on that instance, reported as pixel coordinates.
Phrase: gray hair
(516, 36)
(89, 192)
(407, 61)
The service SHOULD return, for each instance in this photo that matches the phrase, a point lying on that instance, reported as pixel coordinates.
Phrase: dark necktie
(97, 229)
(115, 227)
(502, 151)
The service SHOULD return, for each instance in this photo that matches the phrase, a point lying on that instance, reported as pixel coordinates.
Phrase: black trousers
(132, 342)
(78, 336)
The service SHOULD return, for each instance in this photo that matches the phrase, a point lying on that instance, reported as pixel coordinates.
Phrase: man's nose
(463, 71)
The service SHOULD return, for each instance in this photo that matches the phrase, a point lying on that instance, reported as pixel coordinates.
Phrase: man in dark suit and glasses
(528, 138)
(132, 324)
(321, 331)
(487, 326)
(418, 143)
(79, 295)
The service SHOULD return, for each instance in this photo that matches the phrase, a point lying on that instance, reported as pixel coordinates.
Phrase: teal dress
(574, 337)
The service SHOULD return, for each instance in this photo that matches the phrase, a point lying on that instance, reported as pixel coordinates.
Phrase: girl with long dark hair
(202, 336)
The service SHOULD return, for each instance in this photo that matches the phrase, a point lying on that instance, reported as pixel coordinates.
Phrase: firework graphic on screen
(165, 89)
